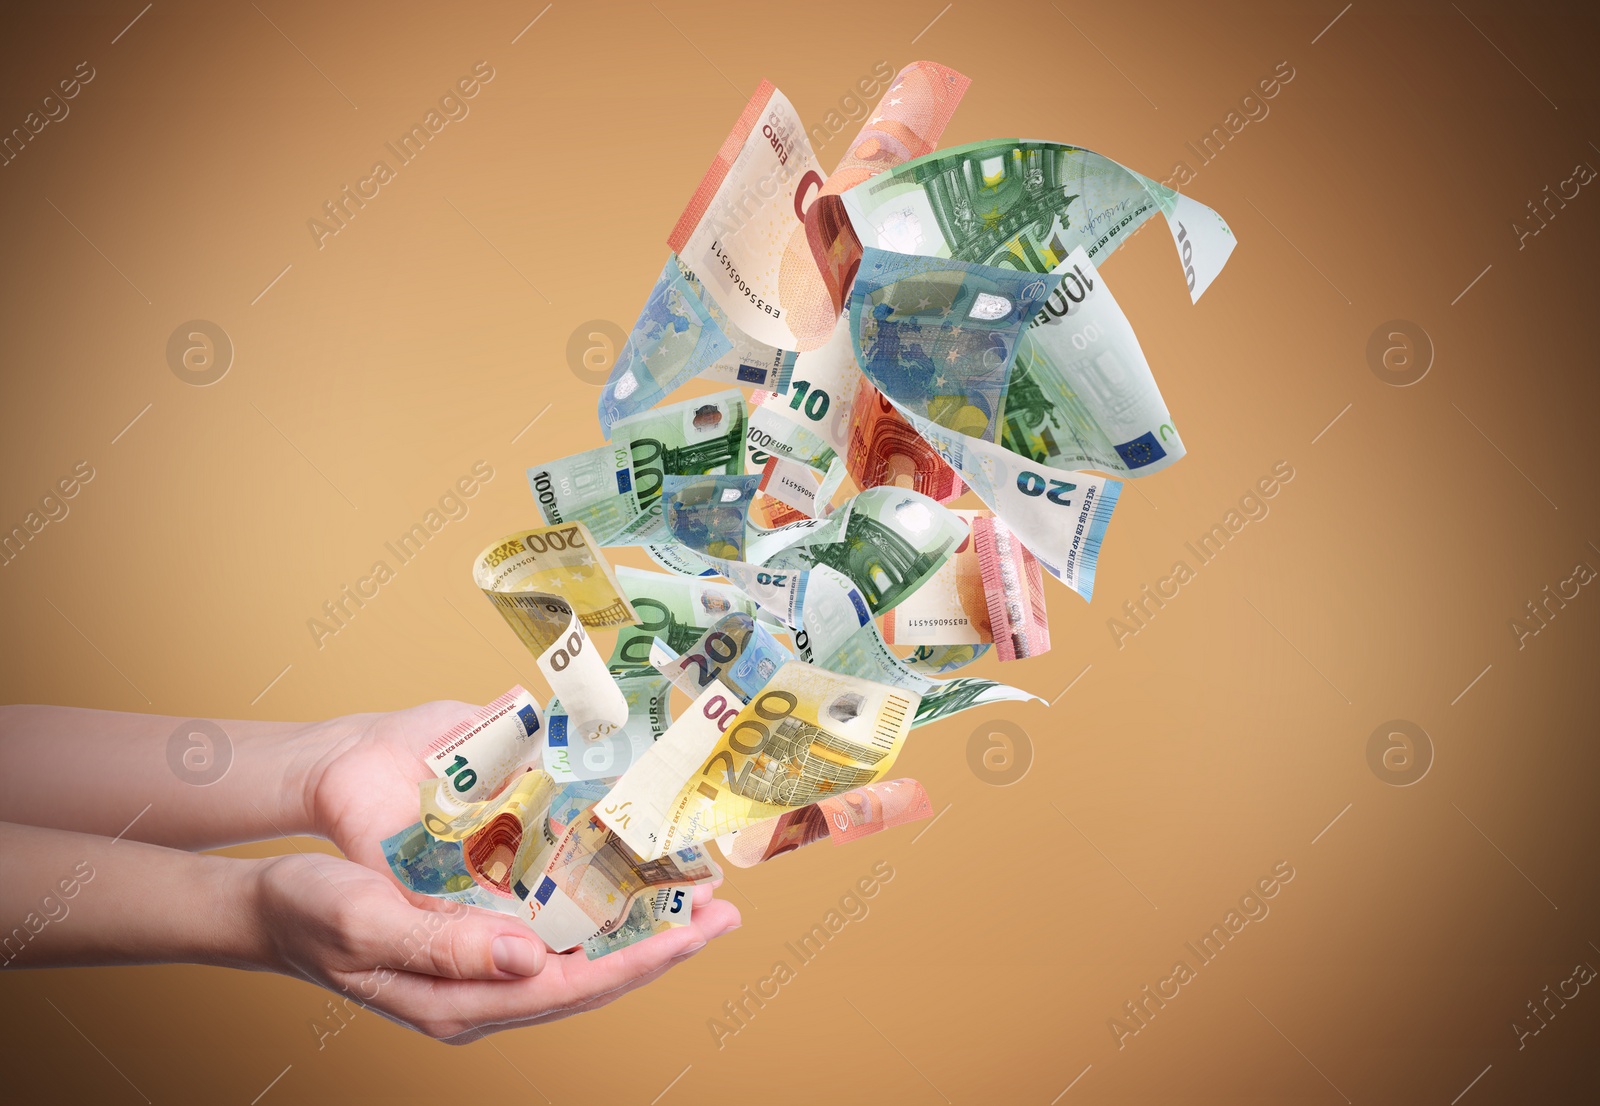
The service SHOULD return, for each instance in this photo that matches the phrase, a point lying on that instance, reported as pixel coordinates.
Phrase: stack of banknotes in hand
(919, 325)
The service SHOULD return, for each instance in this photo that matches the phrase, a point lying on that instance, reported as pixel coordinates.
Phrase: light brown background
(1223, 739)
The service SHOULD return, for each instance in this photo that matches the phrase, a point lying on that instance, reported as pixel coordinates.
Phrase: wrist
(239, 932)
(311, 750)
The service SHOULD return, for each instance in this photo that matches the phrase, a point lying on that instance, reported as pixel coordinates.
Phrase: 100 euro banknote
(1027, 205)
(615, 489)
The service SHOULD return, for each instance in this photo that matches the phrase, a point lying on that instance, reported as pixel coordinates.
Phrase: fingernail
(515, 956)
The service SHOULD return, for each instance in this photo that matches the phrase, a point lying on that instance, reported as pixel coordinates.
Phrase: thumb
(456, 943)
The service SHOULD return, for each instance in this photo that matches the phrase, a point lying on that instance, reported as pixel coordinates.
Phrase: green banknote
(676, 609)
(1081, 394)
(888, 541)
(1020, 204)
(616, 489)
(841, 636)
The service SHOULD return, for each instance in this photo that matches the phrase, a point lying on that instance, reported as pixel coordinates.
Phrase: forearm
(149, 777)
(74, 899)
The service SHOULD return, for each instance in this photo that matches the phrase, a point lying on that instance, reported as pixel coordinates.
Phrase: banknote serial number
(739, 284)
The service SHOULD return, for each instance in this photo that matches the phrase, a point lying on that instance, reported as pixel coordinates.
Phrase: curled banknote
(709, 514)
(1071, 390)
(809, 734)
(840, 636)
(778, 593)
(745, 210)
(886, 450)
(590, 879)
(991, 591)
(1060, 516)
(1026, 205)
(560, 559)
(747, 362)
(937, 336)
(1080, 393)
(678, 560)
(889, 541)
(567, 758)
(574, 800)
(426, 864)
(842, 818)
(774, 435)
(806, 492)
(817, 395)
(676, 609)
(480, 753)
(738, 650)
(546, 583)
(451, 819)
(820, 260)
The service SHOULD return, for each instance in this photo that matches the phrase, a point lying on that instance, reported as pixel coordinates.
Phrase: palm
(367, 791)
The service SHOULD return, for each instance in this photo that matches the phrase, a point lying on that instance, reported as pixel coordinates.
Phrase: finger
(703, 894)
(463, 1010)
(582, 1008)
(588, 979)
(457, 944)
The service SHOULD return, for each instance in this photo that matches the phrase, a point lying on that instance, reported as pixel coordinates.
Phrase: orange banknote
(844, 818)
(821, 258)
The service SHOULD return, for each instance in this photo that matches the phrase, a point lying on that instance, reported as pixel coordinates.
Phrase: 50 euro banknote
(765, 229)
(991, 591)
(842, 818)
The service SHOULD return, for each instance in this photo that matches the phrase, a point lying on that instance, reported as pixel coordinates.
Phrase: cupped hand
(365, 788)
(450, 971)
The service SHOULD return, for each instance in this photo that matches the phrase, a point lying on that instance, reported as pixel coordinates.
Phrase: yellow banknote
(548, 584)
(809, 734)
